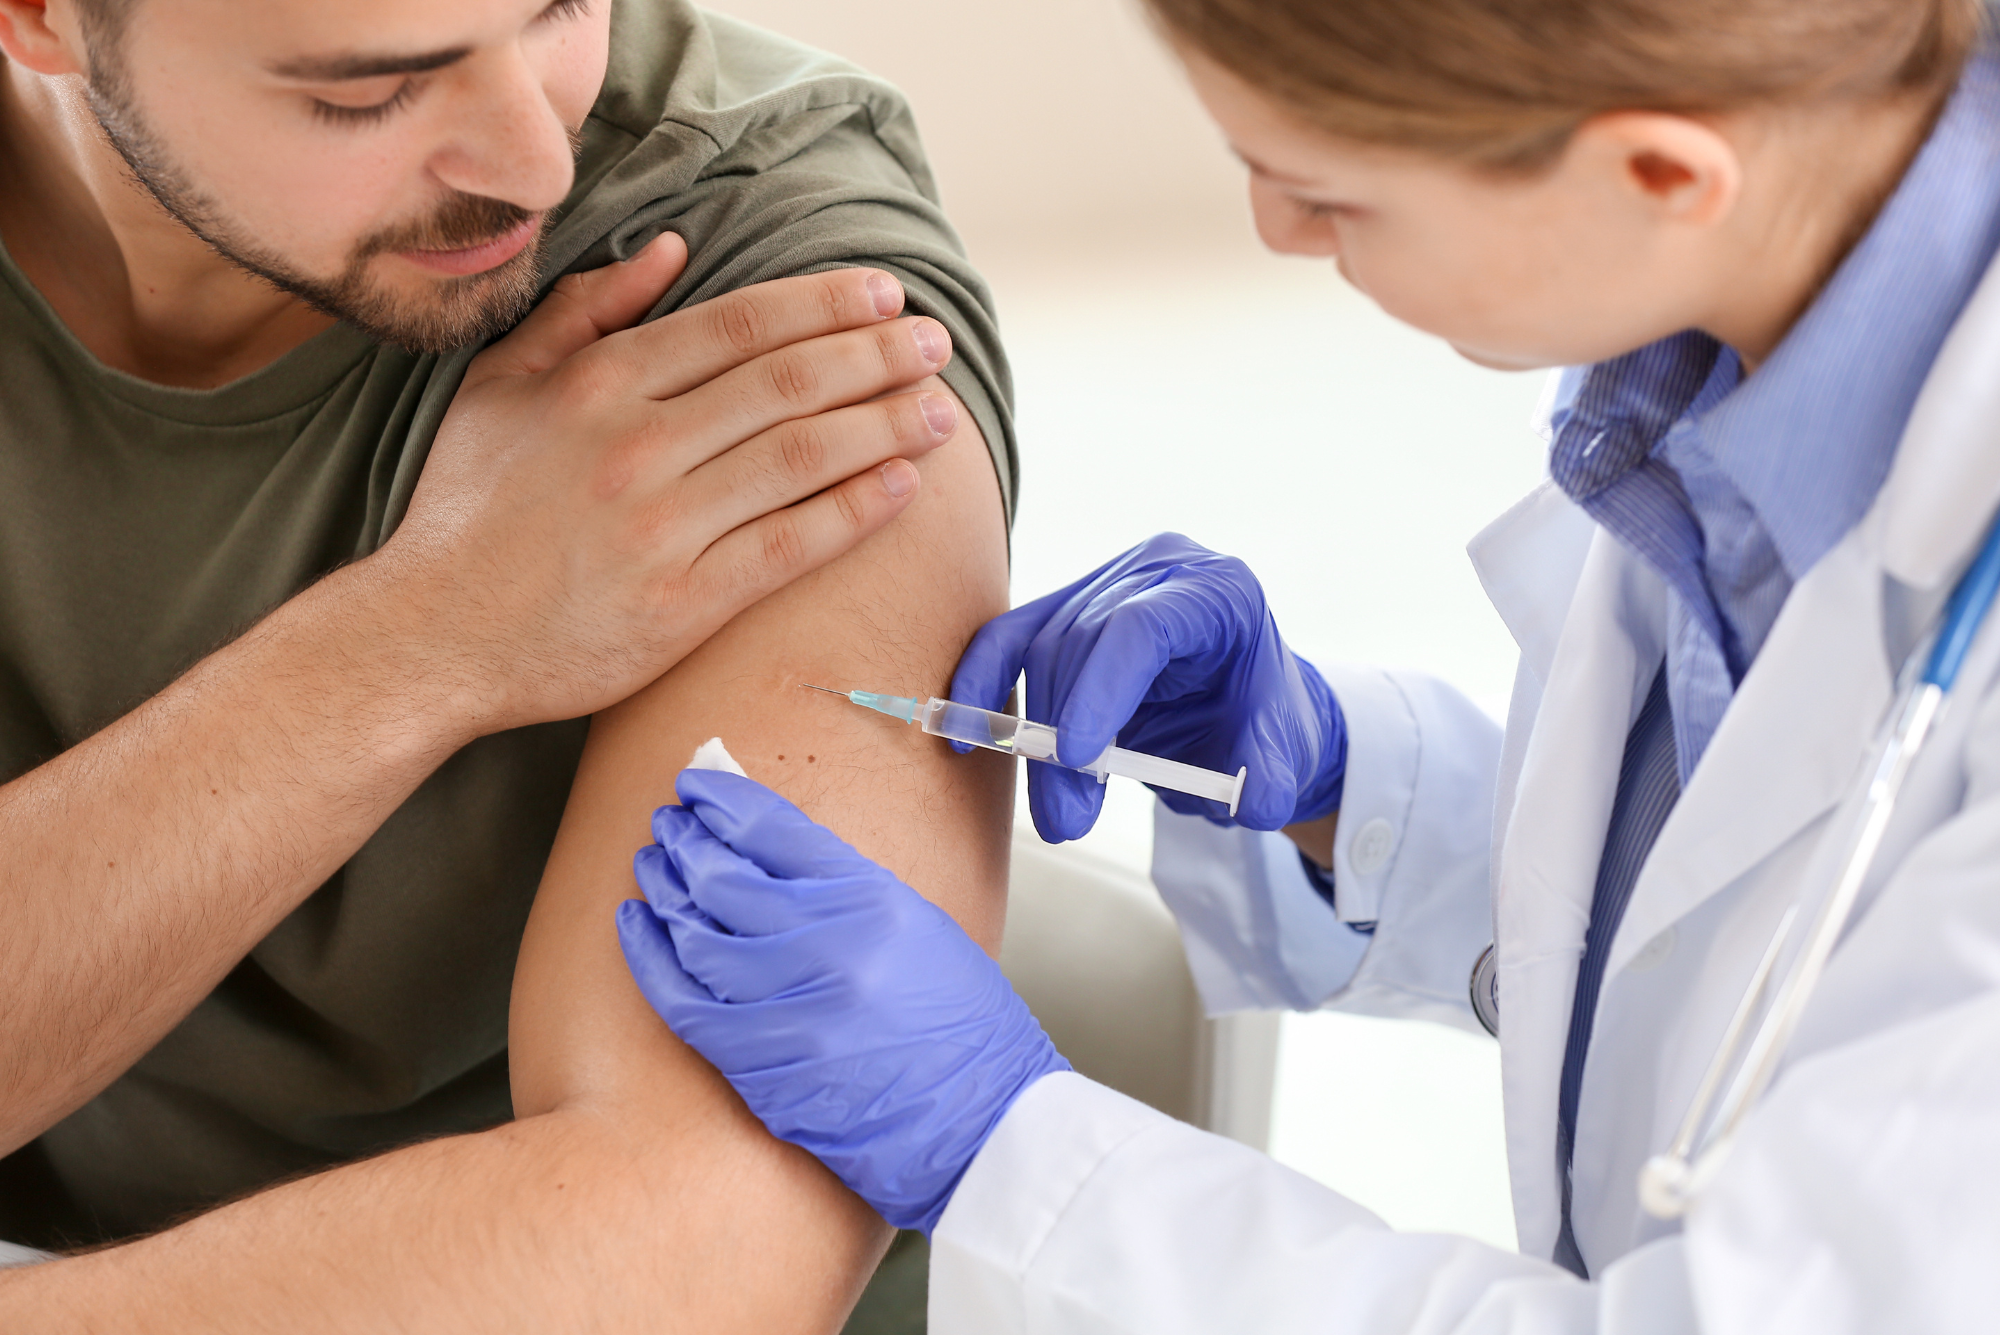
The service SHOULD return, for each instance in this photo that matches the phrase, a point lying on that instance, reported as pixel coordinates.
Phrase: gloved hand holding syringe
(1037, 741)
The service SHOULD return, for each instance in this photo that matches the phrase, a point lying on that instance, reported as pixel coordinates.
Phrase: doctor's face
(1568, 265)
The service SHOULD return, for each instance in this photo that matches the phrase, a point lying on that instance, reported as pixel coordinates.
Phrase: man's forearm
(684, 1217)
(141, 865)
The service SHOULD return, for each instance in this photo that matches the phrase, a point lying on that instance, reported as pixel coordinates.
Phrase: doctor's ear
(1677, 168)
(44, 36)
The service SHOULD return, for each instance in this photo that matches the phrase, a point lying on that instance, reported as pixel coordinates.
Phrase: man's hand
(600, 499)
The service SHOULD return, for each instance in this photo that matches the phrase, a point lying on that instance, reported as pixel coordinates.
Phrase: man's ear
(44, 36)
(1677, 167)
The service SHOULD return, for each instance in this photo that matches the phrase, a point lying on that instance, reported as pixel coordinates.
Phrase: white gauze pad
(712, 754)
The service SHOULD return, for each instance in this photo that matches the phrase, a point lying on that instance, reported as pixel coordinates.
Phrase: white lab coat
(1864, 1193)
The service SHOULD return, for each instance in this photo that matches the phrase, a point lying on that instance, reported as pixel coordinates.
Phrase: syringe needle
(894, 706)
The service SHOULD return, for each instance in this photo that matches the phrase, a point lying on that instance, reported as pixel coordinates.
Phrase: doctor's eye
(1317, 210)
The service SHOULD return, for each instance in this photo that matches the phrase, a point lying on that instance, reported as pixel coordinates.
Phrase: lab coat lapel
(1752, 823)
(1529, 561)
(1789, 748)
(1600, 668)
(1801, 726)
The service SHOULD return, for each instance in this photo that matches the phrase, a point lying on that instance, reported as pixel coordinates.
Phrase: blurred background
(1172, 375)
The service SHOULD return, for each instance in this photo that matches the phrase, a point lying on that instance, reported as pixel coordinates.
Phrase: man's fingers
(762, 557)
(791, 385)
(802, 458)
(691, 347)
(582, 308)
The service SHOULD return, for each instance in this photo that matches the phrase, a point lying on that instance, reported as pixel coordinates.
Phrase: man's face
(389, 161)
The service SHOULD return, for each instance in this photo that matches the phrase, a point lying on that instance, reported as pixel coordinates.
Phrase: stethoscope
(1747, 1060)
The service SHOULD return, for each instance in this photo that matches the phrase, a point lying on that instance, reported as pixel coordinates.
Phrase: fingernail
(940, 412)
(887, 292)
(932, 341)
(898, 478)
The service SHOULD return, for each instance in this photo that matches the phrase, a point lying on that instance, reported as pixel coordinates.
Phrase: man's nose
(511, 145)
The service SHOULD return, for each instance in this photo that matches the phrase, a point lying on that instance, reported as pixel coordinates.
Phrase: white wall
(1051, 123)
(1172, 375)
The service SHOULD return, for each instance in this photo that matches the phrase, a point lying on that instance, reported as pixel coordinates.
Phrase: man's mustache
(460, 223)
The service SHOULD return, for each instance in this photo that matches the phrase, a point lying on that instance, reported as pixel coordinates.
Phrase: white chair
(1095, 954)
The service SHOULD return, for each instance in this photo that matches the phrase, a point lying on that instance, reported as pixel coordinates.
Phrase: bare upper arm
(893, 614)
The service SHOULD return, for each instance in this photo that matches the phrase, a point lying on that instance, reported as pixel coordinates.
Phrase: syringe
(1037, 741)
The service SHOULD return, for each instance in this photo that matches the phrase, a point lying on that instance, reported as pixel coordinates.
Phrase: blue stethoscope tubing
(1964, 614)
(1671, 1180)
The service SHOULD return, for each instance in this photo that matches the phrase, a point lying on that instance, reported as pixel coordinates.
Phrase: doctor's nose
(1288, 226)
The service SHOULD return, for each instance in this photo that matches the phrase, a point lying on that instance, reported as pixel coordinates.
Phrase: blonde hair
(1504, 83)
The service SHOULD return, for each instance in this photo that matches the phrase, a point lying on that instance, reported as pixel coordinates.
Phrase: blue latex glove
(1171, 650)
(854, 1016)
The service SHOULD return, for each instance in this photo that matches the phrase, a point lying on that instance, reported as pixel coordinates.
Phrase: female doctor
(1764, 233)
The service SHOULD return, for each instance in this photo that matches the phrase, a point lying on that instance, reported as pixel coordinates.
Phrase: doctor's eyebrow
(341, 68)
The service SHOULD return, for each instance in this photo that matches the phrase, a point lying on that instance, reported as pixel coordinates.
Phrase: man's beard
(457, 311)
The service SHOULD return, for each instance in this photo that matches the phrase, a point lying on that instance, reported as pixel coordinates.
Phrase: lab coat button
(1655, 952)
(1371, 847)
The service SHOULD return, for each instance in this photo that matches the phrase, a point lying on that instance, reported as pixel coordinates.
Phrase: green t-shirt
(142, 526)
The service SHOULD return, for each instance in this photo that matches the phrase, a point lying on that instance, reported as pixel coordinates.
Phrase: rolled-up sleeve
(1411, 908)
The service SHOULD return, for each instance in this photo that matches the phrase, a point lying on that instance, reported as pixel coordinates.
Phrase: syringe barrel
(994, 731)
(1037, 741)
(1162, 773)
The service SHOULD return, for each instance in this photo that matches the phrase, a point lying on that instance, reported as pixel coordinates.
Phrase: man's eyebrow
(356, 65)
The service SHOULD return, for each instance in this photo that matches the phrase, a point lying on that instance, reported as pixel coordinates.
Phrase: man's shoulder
(689, 93)
(671, 60)
(771, 159)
